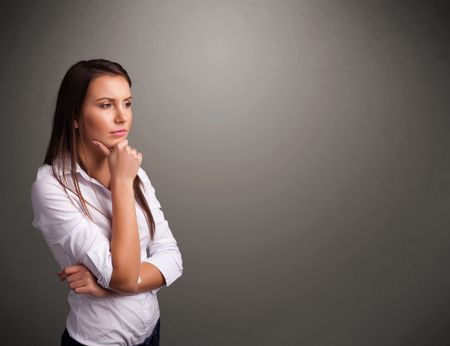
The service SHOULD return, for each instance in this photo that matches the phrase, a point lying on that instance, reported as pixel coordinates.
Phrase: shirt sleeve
(163, 250)
(71, 236)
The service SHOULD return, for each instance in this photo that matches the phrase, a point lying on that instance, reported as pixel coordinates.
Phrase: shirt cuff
(99, 261)
(164, 263)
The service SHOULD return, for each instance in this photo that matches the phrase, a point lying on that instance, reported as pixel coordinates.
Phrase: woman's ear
(75, 124)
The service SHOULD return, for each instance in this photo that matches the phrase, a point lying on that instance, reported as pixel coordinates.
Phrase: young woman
(98, 212)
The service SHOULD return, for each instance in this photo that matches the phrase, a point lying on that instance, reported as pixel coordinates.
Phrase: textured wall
(300, 151)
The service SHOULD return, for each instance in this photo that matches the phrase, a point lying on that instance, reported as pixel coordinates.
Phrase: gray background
(300, 151)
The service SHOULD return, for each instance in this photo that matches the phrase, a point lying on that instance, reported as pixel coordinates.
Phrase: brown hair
(63, 140)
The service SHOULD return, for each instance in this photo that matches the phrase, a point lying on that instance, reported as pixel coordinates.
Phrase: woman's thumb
(102, 147)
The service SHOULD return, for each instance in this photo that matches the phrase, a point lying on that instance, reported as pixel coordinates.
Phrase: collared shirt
(73, 238)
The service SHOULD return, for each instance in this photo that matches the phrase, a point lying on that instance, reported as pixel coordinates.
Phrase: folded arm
(74, 239)
(82, 281)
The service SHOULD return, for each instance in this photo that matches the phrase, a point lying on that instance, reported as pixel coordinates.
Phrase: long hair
(63, 140)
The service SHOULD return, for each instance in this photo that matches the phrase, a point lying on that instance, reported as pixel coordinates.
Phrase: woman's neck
(95, 164)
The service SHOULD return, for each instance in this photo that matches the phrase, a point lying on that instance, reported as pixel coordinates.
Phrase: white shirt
(73, 238)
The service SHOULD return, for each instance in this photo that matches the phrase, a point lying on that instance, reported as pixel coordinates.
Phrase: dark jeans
(152, 340)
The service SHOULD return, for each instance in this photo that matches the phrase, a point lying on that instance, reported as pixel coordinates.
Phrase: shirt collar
(59, 170)
(67, 170)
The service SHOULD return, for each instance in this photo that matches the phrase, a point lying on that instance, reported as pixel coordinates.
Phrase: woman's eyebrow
(112, 99)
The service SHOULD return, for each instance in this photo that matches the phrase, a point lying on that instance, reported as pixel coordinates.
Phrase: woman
(98, 212)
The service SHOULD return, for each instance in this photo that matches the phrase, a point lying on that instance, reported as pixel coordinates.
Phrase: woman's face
(106, 109)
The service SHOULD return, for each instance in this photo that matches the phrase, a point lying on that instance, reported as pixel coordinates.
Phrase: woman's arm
(125, 246)
(124, 163)
(82, 281)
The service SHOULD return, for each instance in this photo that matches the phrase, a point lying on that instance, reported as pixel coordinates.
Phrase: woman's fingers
(124, 162)
(71, 269)
(77, 284)
(136, 153)
(87, 285)
(67, 271)
(97, 292)
(77, 276)
(122, 144)
(82, 281)
(81, 290)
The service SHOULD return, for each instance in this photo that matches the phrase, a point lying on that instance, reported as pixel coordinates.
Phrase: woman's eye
(105, 105)
(128, 104)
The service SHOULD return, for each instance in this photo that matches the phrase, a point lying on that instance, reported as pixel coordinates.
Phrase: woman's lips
(119, 133)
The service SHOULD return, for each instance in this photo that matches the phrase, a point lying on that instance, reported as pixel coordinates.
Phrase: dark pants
(152, 340)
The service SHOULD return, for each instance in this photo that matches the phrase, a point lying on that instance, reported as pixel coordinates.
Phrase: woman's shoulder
(60, 170)
(46, 174)
(45, 181)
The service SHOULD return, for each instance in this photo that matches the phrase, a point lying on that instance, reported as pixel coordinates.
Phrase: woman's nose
(121, 115)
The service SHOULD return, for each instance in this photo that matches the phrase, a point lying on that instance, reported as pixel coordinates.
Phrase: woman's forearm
(125, 246)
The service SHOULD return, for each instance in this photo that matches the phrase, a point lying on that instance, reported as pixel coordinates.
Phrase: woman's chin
(117, 137)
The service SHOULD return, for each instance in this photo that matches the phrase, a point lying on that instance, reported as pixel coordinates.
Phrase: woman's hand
(82, 281)
(123, 160)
